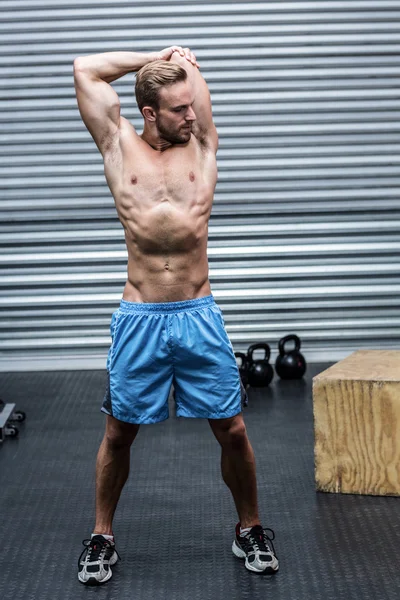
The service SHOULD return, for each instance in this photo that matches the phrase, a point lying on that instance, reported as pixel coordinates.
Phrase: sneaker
(257, 549)
(94, 568)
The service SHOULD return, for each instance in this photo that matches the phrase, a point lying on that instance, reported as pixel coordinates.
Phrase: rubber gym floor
(175, 522)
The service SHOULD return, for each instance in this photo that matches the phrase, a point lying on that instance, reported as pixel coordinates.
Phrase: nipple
(133, 179)
(192, 176)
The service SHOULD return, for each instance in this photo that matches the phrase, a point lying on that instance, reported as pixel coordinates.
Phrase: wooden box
(357, 424)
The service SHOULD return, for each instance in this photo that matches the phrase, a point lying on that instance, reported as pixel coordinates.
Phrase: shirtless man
(168, 329)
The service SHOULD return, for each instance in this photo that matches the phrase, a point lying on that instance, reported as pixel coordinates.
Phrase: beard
(173, 136)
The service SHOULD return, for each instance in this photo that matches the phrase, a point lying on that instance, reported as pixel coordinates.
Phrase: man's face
(175, 115)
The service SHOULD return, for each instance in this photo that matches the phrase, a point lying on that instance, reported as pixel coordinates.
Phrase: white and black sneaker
(257, 549)
(95, 567)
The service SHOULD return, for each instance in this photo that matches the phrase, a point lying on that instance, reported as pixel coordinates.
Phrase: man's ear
(149, 113)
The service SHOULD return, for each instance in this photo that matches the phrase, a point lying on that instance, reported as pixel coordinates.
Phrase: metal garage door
(304, 234)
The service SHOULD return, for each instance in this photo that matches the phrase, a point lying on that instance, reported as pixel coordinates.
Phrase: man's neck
(154, 140)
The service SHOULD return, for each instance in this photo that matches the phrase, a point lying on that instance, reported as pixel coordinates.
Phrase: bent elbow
(79, 64)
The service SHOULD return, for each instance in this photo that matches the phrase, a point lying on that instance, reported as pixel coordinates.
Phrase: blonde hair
(154, 76)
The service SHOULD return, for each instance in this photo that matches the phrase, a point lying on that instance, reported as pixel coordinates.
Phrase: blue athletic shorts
(183, 344)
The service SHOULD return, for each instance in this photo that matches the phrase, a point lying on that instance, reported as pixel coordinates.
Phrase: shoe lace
(95, 550)
(262, 539)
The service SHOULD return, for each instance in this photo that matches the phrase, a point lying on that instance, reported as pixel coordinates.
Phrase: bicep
(203, 110)
(204, 126)
(98, 105)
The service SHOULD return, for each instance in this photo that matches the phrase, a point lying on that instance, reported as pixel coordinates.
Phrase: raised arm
(204, 128)
(98, 102)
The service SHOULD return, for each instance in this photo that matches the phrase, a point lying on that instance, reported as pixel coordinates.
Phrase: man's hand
(184, 52)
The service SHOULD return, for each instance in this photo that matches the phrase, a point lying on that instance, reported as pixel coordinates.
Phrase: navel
(166, 267)
(192, 176)
(133, 179)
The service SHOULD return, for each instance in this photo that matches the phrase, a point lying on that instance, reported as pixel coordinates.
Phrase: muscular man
(168, 329)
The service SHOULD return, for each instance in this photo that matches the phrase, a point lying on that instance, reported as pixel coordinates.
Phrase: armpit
(202, 135)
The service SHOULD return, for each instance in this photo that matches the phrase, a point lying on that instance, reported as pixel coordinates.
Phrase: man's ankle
(103, 531)
(249, 523)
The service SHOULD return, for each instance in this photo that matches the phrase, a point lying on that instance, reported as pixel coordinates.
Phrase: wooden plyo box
(357, 424)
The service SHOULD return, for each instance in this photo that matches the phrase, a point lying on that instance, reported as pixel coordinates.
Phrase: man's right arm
(98, 102)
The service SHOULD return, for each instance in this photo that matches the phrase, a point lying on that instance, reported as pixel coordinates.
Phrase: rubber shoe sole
(92, 581)
(272, 568)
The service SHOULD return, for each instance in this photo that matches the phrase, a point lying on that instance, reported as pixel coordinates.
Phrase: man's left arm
(204, 127)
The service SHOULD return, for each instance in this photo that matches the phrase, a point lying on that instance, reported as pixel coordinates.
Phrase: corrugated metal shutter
(304, 235)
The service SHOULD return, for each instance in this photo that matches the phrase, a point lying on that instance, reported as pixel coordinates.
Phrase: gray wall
(304, 235)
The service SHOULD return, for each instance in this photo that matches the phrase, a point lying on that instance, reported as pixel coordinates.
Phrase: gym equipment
(356, 408)
(291, 364)
(8, 414)
(18, 415)
(260, 372)
(243, 368)
(11, 431)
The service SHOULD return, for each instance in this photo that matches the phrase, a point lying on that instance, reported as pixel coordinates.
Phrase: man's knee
(231, 433)
(118, 434)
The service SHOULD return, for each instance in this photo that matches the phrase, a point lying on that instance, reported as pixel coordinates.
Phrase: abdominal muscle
(167, 256)
(153, 283)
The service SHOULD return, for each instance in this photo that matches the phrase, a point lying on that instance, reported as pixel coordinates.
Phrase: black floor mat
(175, 522)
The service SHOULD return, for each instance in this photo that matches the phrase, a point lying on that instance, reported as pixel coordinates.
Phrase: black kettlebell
(260, 371)
(243, 368)
(292, 364)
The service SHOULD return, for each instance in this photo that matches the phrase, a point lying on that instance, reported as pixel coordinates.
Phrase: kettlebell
(260, 371)
(292, 364)
(243, 368)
